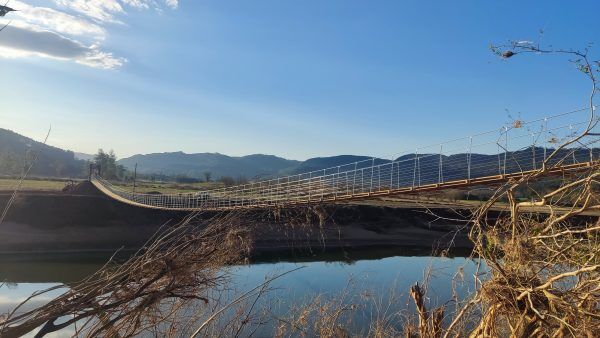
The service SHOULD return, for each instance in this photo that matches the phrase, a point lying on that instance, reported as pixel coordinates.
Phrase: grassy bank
(10, 184)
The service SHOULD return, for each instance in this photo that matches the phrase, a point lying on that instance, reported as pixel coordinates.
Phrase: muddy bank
(86, 220)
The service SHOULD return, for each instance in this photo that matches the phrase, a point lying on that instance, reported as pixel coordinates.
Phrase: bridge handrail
(334, 181)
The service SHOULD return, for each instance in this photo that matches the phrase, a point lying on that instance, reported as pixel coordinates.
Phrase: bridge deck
(334, 198)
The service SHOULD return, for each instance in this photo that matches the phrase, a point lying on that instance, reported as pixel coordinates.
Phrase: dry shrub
(180, 268)
(349, 313)
(177, 284)
(540, 271)
(544, 277)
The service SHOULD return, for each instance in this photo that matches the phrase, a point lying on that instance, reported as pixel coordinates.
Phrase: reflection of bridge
(487, 158)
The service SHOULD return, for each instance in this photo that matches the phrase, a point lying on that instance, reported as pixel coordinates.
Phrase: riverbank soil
(83, 219)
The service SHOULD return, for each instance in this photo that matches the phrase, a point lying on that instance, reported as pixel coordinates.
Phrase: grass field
(169, 188)
(9, 184)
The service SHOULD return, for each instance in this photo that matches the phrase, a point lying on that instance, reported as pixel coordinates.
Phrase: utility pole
(134, 176)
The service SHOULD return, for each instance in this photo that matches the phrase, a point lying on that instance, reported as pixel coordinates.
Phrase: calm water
(378, 272)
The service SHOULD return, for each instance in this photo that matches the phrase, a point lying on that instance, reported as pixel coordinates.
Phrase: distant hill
(264, 166)
(195, 165)
(18, 151)
(84, 156)
(250, 166)
(319, 163)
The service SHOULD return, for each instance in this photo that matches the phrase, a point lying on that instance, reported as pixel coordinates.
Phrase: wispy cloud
(56, 20)
(73, 31)
(107, 10)
(18, 41)
(99, 10)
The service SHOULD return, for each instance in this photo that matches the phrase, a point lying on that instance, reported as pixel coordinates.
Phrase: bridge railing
(518, 148)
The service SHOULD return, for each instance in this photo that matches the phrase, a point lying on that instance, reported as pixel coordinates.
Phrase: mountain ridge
(18, 151)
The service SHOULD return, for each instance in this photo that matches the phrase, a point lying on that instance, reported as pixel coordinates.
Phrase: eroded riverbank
(86, 220)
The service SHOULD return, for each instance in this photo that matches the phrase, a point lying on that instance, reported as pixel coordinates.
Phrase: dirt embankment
(83, 219)
(79, 219)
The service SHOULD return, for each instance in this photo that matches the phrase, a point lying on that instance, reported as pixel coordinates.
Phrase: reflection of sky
(384, 278)
(373, 275)
(13, 294)
(328, 278)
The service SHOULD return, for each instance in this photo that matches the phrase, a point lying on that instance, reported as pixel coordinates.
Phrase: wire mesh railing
(513, 149)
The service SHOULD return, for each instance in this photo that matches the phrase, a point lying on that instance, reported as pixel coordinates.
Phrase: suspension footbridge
(489, 158)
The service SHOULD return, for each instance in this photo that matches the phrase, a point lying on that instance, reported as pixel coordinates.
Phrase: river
(378, 272)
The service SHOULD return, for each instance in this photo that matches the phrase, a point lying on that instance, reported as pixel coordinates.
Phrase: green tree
(106, 164)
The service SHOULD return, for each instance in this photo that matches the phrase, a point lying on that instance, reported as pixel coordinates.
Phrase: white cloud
(100, 10)
(58, 21)
(172, 3)
(99, 59)
(74, 30)
(106, 10)
(26, 41)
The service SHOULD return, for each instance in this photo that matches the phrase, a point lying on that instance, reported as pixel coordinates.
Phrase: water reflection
(70, 267)
(378, 271)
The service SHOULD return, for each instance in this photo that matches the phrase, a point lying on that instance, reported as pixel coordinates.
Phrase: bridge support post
(337, 181)
(372, 174)
(505, 149)
(440, 175)
(323, 185)
(277, 188)
(354, 178)
(391, 175)
(534, 166)
(309, 186)
(545, 131)
(469, 158)
(415, 169)
(574, 151)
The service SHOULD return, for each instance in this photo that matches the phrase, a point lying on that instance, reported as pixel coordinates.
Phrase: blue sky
(296, 79)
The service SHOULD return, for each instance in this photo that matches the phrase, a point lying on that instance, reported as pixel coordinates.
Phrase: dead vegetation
(182, 265)
(176, 285)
